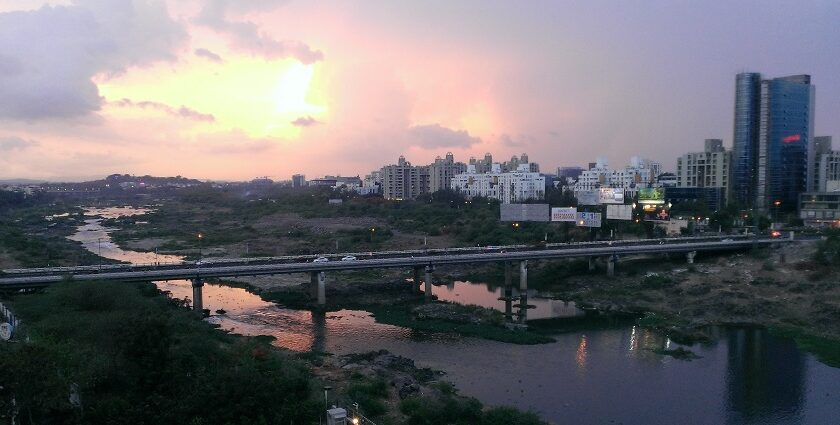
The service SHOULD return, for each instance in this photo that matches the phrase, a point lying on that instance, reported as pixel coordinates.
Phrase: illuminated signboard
(791, 139)
(656, 213)
(653, 195)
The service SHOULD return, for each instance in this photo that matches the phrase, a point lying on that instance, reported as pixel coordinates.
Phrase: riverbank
(798, 298)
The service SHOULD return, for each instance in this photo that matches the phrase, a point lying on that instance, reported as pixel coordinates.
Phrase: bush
(130, 357)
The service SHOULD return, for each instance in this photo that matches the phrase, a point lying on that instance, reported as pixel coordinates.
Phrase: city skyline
(231, 91)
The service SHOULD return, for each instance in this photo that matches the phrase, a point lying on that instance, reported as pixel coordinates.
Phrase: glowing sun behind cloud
(292, 90)
(260, 98)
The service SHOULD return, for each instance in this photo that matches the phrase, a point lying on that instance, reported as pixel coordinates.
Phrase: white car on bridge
(348, 258)
(321, 260)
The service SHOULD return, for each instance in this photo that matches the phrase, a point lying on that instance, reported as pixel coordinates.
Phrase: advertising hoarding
(564, 214)
(588, 219)
(652, 195)
(524, 212)
(656, 213)
(611, 195)
(619, 212)
(587, 197)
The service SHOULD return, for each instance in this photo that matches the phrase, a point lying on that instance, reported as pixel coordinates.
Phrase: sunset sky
(239, 89)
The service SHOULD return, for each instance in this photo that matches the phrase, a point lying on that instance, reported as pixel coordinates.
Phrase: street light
(776, 203)
(200, 236)
(372, 232)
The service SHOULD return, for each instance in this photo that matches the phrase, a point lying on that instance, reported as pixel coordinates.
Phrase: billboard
(652, 195)
(619, 212)
(524, 212)
(587, 197)
(610, 195)
(589, 219)
(564, 214)
(656, 213)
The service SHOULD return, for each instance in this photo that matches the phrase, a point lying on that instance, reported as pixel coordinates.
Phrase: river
(598, 376)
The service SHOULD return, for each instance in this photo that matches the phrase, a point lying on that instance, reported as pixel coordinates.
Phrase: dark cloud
(436, 136)
(305, 122)
(207, 54)
(182, 112)
(245, 35)
(49, 55)
(10, 143)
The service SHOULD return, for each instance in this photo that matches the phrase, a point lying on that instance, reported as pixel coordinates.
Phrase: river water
(598, 376)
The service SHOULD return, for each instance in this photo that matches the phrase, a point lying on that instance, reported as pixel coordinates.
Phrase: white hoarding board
(589, 219)
(564, 214)
(619, 212)
(611, 195)
(587, 197)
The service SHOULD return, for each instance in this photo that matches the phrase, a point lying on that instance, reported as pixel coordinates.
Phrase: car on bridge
(321, 260)
(348, 258)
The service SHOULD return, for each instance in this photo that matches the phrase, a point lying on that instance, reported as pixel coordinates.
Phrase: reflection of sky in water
(486, 296)
(95, 238)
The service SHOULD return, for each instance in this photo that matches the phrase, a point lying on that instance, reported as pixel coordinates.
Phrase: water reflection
(765, 377)
(97, 239)
(500, 298)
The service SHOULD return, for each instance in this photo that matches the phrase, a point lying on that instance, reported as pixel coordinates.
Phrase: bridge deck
(189, 271)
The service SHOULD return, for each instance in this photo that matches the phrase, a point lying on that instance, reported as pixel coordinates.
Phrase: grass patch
(678, 353)
(401, 315)
(825, 349)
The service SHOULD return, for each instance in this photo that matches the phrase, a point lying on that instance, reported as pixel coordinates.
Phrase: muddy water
(604, 376)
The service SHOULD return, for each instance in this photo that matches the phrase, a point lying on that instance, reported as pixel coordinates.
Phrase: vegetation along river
(598, 375)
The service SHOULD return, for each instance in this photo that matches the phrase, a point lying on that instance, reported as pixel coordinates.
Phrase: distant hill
(22, 181)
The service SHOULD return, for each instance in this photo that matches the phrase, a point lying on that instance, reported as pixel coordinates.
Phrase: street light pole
(200, 236)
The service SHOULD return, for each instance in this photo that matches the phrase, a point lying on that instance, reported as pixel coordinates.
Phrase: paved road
(189, 271)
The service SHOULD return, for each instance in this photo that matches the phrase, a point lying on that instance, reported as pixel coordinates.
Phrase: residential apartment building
(402, 180)
(442, 170)
(709, 168)
(824, 163)
(638, 174)
(511, 187)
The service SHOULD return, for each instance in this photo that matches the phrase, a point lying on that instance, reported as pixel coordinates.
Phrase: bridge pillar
(428, 283)
(415, 289)
(591, 263)
(523, 275)
(198, 299)
(322, 288)
(782, 258)
(690, 256)
(313, 286)
(508, 274)
(611, 265)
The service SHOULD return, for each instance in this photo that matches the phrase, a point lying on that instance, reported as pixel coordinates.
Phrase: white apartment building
(639, 173)
(513, 187)
(829, 172)
(705, 169)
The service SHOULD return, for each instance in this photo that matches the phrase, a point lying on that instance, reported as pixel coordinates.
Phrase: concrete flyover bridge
(420, 261)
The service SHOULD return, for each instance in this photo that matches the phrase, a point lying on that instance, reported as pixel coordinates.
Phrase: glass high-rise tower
(745, 139)
(774, 127)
